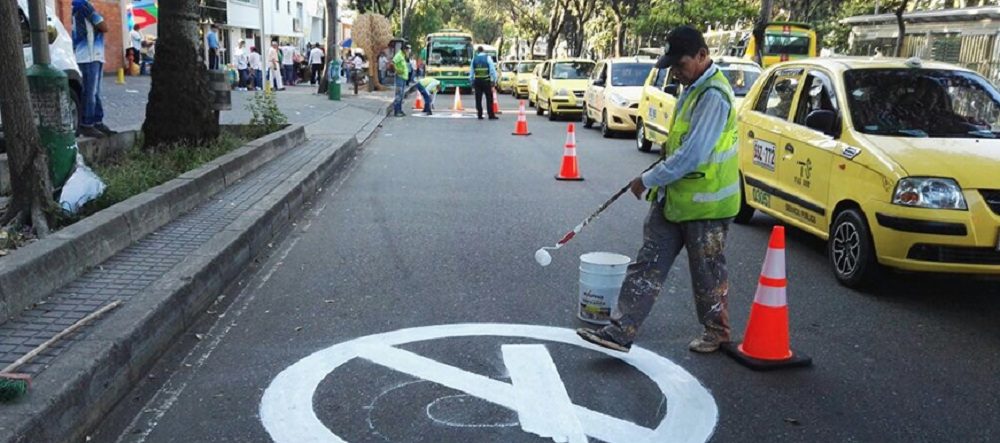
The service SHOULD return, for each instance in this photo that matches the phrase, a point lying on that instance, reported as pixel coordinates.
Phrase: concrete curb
(90, 378)
(30, 274)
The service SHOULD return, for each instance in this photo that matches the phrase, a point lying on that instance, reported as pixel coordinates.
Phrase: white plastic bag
(83, 186)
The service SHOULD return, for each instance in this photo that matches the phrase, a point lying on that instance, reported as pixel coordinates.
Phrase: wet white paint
(286, 408)
(543, 405)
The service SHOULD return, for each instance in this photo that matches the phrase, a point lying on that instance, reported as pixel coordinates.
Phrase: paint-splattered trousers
(662, 241)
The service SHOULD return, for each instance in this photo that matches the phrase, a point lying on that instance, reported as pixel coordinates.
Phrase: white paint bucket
(601, 277)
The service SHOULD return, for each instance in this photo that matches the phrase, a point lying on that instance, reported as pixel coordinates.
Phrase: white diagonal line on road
(543, 406)
(595, 424)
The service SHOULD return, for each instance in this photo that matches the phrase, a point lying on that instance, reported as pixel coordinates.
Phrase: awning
(346, 43)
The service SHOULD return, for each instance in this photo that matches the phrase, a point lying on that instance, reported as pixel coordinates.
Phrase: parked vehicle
(533, 83)
(613, 93)
(561, 86)
(507, 73)
(449, 58)
(523, 77)
(893, 162)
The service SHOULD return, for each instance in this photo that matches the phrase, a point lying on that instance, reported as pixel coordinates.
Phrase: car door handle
(789, 148)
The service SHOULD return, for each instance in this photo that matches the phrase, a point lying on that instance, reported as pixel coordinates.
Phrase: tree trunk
(619, 36)
(531, 47)
(556, 23)
(180, 101)
(29, 172)
(758, 30)
(332, 53)
(902, 28)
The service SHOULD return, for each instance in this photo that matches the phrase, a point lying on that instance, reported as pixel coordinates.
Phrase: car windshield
(572, 70)
(455, 52)
(524, 68)
(922, 103)
(741, 77)
(630, 74)
(507, 66)
(775, 44)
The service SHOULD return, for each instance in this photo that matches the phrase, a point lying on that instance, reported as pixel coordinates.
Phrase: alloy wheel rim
(846, 249)
(639, 135)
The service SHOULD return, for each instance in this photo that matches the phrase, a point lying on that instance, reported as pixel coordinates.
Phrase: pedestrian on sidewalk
(256, 65)
(427, 86)
(483, 75)
(316, 63)
(383, 63)
(402, 73)
(89, 28)
(213, 48)
(288, 52)
(274, 67)
(135, 38)
(694, 195)
(242, 60)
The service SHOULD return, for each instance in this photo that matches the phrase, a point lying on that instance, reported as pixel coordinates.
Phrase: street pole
(49, 89)
(264, 47)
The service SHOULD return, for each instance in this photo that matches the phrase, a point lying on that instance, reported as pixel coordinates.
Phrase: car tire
(538, 109)
(605, 131)
(851, 250)
(552, 115)
(641, 142)
(587, 121)
(745, 214)
(531, 102)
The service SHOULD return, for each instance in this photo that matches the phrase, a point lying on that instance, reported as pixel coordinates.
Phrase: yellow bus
(784, 41)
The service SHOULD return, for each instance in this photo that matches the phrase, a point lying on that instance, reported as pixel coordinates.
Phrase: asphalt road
(436, 224)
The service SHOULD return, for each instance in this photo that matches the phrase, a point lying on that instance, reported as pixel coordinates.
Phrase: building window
(277, 5)
(288, 6)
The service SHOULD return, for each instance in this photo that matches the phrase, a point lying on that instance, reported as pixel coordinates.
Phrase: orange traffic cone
(569, 170)
(765, 342)
(496, 103)
(521, 128)
(418, 105)
(457, 106)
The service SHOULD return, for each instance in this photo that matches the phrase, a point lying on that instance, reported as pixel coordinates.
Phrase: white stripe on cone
(770, 296)
(774, 264)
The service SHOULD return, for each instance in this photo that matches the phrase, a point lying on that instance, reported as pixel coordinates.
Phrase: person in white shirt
(316, 63)
(382, 62)
(288, 63)
(274, 67)
(136, 45)
(256, 65)
(242, 61)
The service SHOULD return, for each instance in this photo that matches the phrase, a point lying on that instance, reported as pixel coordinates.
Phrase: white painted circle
(286, 408)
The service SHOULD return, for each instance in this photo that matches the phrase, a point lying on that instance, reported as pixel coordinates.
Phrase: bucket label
(596, 304)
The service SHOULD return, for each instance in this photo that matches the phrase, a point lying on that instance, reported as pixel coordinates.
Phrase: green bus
(449, 56)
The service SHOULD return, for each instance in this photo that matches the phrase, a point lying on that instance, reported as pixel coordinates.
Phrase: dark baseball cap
(682, 40)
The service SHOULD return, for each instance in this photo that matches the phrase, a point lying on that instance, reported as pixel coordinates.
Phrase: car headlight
(562, 91)
(618, 100)
(929, 192)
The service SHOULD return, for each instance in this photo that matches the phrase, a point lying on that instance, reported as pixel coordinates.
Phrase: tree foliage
(659, 16)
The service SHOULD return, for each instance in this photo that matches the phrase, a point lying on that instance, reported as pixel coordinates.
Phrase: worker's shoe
(493, 117)
(90, 131)
(708, 342)
(105, 129)
(603, 337)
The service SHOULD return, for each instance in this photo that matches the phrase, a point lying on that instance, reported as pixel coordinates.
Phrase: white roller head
(542, 257)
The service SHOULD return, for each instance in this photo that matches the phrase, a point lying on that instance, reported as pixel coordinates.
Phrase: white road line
(596, 424)
(543, 405)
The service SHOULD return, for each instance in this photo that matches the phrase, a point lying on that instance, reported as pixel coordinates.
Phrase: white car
(60, 52)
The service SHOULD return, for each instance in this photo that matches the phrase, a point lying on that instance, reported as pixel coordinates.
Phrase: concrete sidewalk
(166, 279)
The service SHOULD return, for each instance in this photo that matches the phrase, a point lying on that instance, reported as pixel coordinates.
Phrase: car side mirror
(671, 89)
(822, 120)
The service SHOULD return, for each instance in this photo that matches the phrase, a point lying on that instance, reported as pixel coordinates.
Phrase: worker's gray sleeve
(708, 119)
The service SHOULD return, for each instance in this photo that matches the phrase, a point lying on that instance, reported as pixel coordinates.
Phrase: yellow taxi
(895, 163)
(561, 86)
(523, 74)
(533, 83)
(506, 73)
(660, 93)
(612, 96)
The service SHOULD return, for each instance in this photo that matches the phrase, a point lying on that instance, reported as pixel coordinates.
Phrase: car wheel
(587, 122)
(552, 114)
(531, 102)
(641, 142)
(851, 250)
(605, 131)
(538, 109)
(746, 211)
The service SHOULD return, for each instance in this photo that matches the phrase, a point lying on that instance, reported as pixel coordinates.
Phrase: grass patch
(136, 170)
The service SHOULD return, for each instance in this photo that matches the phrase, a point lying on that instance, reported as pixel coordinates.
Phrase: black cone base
(798, 359)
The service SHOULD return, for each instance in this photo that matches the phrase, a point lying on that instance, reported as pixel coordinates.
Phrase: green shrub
(264, 110)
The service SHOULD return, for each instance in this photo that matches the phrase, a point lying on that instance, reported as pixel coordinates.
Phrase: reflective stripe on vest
(712, 190)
